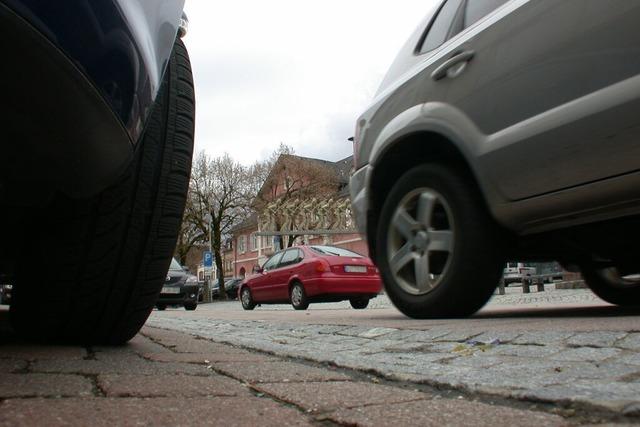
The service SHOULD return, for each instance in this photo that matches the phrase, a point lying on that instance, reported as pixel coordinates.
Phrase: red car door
(286, 269)
(262, 283)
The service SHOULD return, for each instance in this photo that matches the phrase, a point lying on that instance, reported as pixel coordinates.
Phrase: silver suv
(504, 130)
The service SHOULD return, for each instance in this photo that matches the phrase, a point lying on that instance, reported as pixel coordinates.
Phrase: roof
(342, 169)
(250, 222)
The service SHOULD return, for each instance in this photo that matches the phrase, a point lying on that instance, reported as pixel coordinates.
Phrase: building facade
(303, 201)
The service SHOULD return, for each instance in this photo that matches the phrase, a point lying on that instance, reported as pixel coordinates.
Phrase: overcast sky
(290, 71)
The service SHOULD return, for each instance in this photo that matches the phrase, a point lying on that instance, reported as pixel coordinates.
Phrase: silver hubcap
(246, 298)
(421, 237)
(296, 295)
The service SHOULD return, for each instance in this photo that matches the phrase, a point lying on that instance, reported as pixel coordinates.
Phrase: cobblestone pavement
(168, 378)
(593, 367)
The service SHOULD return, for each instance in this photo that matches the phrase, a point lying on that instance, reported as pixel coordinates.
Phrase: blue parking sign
(207, 260)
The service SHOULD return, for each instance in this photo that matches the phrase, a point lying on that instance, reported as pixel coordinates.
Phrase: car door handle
(449, 69)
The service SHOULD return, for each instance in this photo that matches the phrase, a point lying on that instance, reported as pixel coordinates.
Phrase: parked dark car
(504, 130)
(98, 115)
(6, 290)
(231, 287)
(306, 274)
(180, 288)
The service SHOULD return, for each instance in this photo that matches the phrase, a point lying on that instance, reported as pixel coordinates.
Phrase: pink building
(316, 191)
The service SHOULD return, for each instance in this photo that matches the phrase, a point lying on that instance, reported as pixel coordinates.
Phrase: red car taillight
(321, 266)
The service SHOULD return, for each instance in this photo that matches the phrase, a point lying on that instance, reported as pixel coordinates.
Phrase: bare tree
(193, 230)
(218, 188)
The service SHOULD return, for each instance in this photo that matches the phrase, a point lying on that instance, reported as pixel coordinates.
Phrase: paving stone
(43, 385)
(325, 396)
(137, 345)
(442, 412)
(631, 341)
(376, 332)
(502, 336)
(631, 359)
(207, 358)
(287, 372)
(394, 346)
(12, 365)
(34, 352)
(458, 336)
(404, 335)
(109, 412)
(543, 337)
(610, 395)
(595, 339)
(589, 370)
(525, 350)
(129, 365)
(476, 361)
(429, 335)
(182, 343)
(417, 360)
(354, 331)
(586, 354)
(441, 347)
(169, 386)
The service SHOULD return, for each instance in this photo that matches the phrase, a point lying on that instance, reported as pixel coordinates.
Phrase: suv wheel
(439, 251)
(608, 284)
(106, 257)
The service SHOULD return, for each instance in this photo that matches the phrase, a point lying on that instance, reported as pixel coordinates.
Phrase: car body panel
(332, 284)
(180, 287)
(77, 102)
(545, 113)
(124, 48)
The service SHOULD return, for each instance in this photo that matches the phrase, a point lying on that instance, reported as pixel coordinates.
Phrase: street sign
(207, 259)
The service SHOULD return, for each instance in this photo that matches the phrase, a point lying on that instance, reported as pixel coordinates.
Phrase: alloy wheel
(296, 296)
(421, 241)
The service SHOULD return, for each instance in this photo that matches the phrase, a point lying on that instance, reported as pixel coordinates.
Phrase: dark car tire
(466, 272)
(359, 303)
(161, 307)
(190, 306)
(105, 258)
(298, 297)
(247, 299)
(608, 284)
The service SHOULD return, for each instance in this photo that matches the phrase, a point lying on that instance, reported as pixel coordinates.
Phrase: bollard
(501, 287)
(526, 282)
(540, 283)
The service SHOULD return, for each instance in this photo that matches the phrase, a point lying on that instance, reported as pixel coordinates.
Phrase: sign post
(207, 259)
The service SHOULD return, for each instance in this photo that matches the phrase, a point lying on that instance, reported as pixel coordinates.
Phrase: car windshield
(175, 265)
(331, 250)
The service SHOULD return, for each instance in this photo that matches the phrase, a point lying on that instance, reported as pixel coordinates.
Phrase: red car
(305, 274)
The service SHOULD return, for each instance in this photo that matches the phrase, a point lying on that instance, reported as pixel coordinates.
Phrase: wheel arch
(404, 153)
(292, 281)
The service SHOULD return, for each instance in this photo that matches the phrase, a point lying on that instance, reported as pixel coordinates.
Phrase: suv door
(540, 87)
